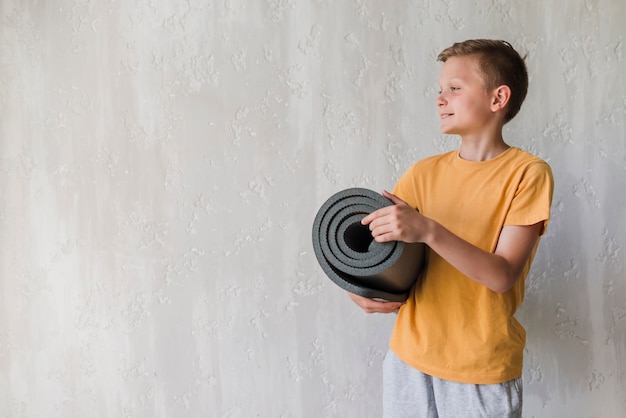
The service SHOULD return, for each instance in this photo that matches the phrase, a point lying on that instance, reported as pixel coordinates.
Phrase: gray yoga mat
(351, 258)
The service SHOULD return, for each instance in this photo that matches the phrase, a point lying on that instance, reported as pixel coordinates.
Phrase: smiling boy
(456, 348)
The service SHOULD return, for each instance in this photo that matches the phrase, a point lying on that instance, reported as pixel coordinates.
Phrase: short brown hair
(500, 65)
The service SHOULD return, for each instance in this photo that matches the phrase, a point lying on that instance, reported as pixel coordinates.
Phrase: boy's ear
(500, 98)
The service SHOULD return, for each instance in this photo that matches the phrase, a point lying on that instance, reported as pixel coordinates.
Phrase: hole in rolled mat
(358, 237)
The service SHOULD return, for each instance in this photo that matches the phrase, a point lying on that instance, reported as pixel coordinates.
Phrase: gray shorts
(409, 393)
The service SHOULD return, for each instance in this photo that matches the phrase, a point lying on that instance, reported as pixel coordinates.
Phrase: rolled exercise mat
(351, 257)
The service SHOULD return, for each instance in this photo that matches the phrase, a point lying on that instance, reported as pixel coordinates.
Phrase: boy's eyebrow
(450, 80)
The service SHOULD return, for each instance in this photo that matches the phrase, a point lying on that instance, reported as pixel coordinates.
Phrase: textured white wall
(161, 162)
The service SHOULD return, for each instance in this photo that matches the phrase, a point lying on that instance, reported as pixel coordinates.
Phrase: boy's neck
(481, 148)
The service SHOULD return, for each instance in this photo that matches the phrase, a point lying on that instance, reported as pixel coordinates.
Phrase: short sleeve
(533, 198)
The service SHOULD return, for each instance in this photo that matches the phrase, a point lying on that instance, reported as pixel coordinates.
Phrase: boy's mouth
(446, 115)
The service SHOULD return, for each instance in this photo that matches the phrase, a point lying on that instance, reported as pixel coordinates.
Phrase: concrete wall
(161, 162)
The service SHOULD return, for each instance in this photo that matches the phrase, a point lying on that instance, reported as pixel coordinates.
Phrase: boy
(456, 348)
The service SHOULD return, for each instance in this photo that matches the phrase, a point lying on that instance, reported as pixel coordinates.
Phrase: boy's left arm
(498, 270)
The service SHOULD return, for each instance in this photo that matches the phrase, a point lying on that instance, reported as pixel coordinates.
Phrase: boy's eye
(453, 88)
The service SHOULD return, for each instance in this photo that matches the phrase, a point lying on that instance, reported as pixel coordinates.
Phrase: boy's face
(464, 105)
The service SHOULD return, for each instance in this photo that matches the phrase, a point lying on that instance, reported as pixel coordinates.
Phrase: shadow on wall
(611, 268)
(557, 309)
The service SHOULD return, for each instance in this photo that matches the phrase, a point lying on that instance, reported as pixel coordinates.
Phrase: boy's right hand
(374, 306)
(397, 222)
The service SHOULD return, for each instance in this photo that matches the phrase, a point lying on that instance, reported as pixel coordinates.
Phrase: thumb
(395, 199)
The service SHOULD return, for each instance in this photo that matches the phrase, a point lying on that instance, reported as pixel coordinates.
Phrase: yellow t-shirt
(452, 327)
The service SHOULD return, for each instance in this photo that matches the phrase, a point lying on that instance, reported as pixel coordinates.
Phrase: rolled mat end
(350, 256)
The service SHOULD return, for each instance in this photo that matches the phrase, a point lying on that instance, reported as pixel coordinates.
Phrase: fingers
(383, 211)
(375, 215)
(374, 306)
(381, 224)
(384, 233)
(386, 223)
(395, 199)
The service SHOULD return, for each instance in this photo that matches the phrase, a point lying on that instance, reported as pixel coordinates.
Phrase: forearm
(489, 269)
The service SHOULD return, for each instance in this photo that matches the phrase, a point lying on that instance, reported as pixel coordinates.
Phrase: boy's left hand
(375, 306)
(398, 222)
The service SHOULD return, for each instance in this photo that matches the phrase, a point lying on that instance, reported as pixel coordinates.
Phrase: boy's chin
(446, 131)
